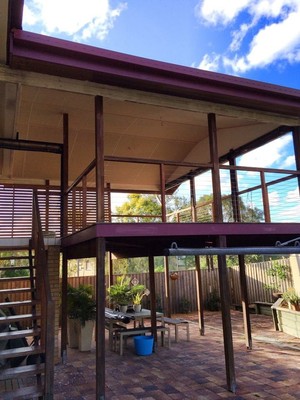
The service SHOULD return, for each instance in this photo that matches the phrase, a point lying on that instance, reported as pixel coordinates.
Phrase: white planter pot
(86, 335)
(137, 307)
(73, 333)
(123, 309)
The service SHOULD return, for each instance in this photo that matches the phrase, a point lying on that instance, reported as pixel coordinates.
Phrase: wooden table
(114, 323)
(142, 315)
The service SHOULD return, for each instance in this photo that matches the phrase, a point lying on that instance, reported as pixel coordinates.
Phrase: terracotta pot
(295, 307)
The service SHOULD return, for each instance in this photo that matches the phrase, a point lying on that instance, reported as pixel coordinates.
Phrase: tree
(11, 263)
(148, 207)
(138, 206)
(248, 214)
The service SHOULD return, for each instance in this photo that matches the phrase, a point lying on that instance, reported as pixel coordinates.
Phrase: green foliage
(213, 301)
(137, 265)
(277, 272)
(290, 296)
(184, 305)
(120, 292)
(123, 292)
(81, 304)
(176, 203)
(137, 293)
(12, 265)
(139, 205)
(248, 214)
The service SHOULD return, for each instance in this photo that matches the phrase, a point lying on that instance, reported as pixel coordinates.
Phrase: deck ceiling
(132, 130)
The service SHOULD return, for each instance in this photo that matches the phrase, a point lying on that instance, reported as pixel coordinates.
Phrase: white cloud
(292, 196)
(219, 11)
(268, 155)
(273, 33)
(289, 162)
(278, 41)
(290, 214)
(75, 18)
(210, 62)
(274, 199)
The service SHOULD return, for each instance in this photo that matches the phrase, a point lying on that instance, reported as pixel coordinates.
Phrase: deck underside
(149, 239)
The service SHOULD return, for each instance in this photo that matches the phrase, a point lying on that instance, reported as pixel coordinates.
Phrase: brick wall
(53, 253)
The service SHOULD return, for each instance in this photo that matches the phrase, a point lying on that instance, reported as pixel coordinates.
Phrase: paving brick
(192, 370)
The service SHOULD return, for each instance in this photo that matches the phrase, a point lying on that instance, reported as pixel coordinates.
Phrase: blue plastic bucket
(143, 345)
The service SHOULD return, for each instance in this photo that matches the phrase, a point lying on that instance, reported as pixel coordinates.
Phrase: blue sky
(255, 39)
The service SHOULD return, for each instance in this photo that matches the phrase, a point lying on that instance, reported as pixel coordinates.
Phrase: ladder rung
(20, 351)
(16, 290)
(16, 278)
(8, 304)
(23, 370)
(20, 317)
(19, 333)
(27, 392)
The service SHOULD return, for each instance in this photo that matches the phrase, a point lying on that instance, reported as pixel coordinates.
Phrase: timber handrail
(44, 294)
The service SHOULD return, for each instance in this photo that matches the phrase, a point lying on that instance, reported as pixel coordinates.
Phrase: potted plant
(120, 292)
(138, 291)
(292, 299)
(278, 272)
(81, 309)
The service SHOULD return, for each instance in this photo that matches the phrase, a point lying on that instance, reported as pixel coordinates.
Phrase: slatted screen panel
(16, 210)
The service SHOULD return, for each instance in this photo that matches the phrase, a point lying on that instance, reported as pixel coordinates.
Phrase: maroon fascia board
(155, 230)
(40, 53)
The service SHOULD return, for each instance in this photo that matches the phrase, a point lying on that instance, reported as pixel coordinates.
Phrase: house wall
(295, 268)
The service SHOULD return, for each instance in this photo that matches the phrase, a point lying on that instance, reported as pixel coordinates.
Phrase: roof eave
(34, 52)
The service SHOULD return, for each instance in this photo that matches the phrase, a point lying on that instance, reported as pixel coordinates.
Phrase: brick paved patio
(192, 370)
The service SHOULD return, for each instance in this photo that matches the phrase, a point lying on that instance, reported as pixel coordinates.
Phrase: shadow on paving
(192, 370)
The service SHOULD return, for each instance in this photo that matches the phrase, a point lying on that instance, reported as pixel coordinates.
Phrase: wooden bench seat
(121, 335)
(176, 322)
(112, 327)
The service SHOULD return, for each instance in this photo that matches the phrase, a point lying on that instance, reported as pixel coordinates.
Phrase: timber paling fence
(183, 290)
(183, 294)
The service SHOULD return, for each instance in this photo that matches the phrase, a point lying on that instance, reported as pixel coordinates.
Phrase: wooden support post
(64, 300)
(199, 297)
(167, 288)
(162, 192)
(84, 201)
(152, 296)
(221, 242)
(226, 320)
(265, 197)
(296, 141)
(193, 199)
(100, 252)
(65, 176)
(99, 144)
(245, 302)
(100, 319)
(64, 231)
(243, 279)
(234, 192)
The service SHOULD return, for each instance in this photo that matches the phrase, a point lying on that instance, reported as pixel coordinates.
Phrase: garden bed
(286, 320)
